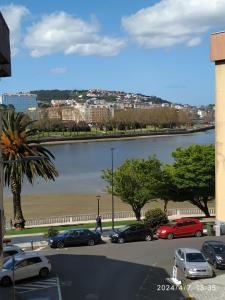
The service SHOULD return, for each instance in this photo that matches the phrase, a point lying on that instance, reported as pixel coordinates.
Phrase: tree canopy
(193, 175)
(135, 181)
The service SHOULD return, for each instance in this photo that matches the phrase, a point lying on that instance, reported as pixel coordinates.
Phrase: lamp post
(98, 198)
(112, 149)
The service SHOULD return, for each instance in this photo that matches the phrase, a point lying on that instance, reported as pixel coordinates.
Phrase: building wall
(72, 114)
(21, 102)
(220, 141)
(100, 113)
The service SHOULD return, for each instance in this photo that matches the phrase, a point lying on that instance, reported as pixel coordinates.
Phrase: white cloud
(58, 70)
(60, 32)
(13, 15)
(173, 22)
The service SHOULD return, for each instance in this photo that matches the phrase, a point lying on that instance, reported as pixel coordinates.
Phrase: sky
(155, 47)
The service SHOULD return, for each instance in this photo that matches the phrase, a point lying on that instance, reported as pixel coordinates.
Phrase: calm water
(80, 164)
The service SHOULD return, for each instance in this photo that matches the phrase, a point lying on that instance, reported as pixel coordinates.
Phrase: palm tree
(17, 153)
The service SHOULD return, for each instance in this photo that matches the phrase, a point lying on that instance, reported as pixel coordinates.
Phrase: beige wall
(220, 141)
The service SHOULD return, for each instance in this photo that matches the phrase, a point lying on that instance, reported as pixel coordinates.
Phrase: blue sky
(153, 47)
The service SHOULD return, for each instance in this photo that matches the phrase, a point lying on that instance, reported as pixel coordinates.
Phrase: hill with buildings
(45, 96)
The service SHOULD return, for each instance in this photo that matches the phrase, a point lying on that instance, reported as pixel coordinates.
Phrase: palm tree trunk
(19, 221)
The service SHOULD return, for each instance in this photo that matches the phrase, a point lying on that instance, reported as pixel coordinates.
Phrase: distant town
(96, 106)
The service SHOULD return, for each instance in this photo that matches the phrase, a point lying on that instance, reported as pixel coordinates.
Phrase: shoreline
(88, 139)
(51, 205)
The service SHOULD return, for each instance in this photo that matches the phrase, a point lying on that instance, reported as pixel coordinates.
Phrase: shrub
(155, 218)
(51, 232)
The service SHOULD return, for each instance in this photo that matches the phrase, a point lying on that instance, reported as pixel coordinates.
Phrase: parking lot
(137, 270)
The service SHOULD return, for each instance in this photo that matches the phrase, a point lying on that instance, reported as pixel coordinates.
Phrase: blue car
(74, 237)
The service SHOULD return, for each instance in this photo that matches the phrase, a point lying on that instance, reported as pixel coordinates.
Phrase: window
(180, 225)
(139, 227)
(132, 229)
(9, 253)
(188, 223)
(22, 264)
(34, 260)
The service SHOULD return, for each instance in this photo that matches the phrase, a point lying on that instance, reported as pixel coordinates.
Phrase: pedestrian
(98, 223)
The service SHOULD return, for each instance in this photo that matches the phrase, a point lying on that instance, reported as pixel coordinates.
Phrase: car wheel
(60, 244)
(148, 238)
(215, 265)
(121, 240)
(91, 243)
(6, 281)
(198, 233)
(43, 273)
(170, 236)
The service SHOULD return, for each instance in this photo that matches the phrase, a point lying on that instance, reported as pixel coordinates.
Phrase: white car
(10, 250)
(25, 266)
(193, 263)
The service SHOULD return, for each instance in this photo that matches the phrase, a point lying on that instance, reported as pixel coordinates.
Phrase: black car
(75, 237)
(132, 233)
(214, 252)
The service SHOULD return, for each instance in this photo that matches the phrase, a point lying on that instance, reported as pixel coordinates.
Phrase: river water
(80, 164)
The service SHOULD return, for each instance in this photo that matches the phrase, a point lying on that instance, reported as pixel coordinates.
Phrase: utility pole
(113, 212)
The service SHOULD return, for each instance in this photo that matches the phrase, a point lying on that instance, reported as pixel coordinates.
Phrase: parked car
(10, 250)
(182, 227)
(75, 237)
(193, 263)
(214, 252)
(24, 266)
(132, 233)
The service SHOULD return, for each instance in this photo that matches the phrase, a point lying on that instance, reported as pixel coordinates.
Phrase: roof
(28, 255)
(190, 250)
(186, 219)
(10, 247)
(214, 242)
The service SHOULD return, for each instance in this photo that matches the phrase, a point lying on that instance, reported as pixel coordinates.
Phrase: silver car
(193, 263)
(10, 250)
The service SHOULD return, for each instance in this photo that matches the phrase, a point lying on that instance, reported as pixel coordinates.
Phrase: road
(111, 272)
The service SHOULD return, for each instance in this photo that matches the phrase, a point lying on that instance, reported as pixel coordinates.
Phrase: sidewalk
(208, 289)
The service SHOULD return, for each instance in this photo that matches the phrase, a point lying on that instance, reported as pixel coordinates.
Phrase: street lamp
(112, 149)
(98, 198)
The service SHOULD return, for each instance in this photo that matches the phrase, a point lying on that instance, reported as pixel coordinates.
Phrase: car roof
(186, 219)
(11, 247)
(214, 243)
(190, 250)
(77, 229)
(28, 255)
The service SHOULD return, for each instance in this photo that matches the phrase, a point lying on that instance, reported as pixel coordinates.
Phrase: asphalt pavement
(130, 271)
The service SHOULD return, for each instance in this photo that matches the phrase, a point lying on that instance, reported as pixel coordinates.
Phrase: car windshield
(124, 228)
(219, 249)
(8, 265)
(67, 232)
(195, 257)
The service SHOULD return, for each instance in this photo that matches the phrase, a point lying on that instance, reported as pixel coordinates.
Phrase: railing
(90, 218)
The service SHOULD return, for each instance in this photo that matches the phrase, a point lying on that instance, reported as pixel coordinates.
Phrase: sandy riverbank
(35, 206)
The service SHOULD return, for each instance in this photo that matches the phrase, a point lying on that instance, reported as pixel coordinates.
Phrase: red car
(181, 227)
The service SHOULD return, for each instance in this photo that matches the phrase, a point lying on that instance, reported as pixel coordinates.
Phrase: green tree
(15, 149)
(155, 217)
(135, 181)
(193, 175)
